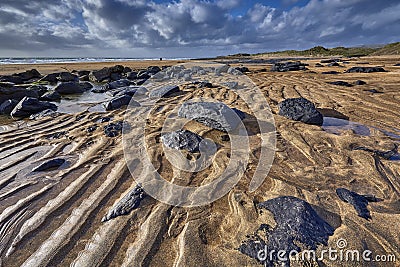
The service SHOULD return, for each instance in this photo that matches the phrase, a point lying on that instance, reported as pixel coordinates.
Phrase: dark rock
(113, 129)
(182, 140)
(118, 84)
(333, 72)
(11, 79)
(51, 78)
(67, 77)
(91, 129)
(297, 223)
(72, 88)
(334, 64)
(100, 75)
(203, 84)
(359, 82)
(397, 65)
(7, 85)
(365, 69)
(128, 203)
(143, 75)
(242, 69)
(300, 109)
(44, 113)
(16, 93)
(215, 115)
(115, 76)
(84, 78)
(341, 83)
(105, 119)
(153, 70)
(126, 70)
(359, 202)
(140, 81)
(383, 154)
(318, 65)
(50, 96)
(7, 106)
(49, 165)
(374, 91)
(288, 66)
(132, 75)
(99, 90)
(120, 101)
(28, 75)
(332, 60)
(83, 73)
(28, 106)
(39, 89)
(165, 91)
(131, 91)
(56, 135)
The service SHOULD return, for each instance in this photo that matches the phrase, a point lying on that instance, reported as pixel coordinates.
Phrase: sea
(41, 60)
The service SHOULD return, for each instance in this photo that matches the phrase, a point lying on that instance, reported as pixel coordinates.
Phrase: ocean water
(16, 60)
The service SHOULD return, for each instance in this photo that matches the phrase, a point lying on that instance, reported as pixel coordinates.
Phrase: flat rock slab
(128, 203)
(49, 165)
(214, 115)
(165, 91)
(182, 140)
(28, 106)
(341, 83)
(365, 69)
(300, 109)
(359, 202)
(296, 222)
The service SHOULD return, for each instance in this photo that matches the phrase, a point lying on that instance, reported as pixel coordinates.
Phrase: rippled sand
(54, 218)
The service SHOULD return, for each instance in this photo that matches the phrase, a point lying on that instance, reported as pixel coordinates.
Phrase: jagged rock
(28, 106)
(365, 69)
(117, 84)
(72, 88)
(28, 75)
(67, 77)
(51, 78)
(113, 129)
(133, 75)
(242, 69)
(153, 70)
(165, 91)
(39, 89)
(359, 82)
(300, 109)
(182, 140)
(288, 66)
(7, 106)
(11, 79)
(215, 115)
(16, 93)
(48, 165)
(128, 203)
(341, 83)
(105, 73)
(44, 113)
(120, 101)
(359, 202)
(50, 96)
(296, 223)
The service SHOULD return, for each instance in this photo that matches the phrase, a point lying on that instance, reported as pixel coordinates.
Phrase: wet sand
(54, 218)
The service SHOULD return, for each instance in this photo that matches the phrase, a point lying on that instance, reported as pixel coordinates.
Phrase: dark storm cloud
(128, 24)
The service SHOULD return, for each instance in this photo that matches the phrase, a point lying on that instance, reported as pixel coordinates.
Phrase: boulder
(153, 70)
(105, 73)
(365, 69)
(126, 70)
(7, 106)
(115, 76)
(131, 91)
(182, 140)
(118, 84)
(29, 105)
(16, 93)
(165, 91)
(288, 66)
(39, 89)
(51, 78)
(300, 109)
(49, 165)
(72, 88)
(133, 75)
(341, 83)
(120, 101)
(50, 96)
(11, 79)
(28, 75)
(359, 82)
(67, 77)
(242, 69)
(215, 115)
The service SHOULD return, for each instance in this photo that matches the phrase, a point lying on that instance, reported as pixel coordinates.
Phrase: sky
(190, 28)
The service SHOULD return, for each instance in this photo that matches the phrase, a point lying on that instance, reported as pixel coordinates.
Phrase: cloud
(193, 27)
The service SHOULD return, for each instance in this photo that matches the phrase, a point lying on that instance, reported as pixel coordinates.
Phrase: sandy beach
(54, 217)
